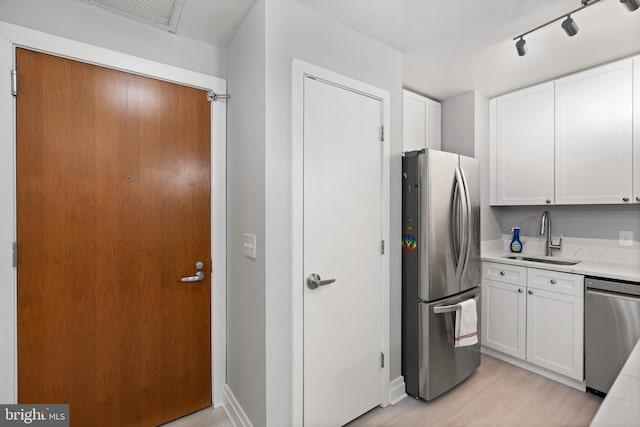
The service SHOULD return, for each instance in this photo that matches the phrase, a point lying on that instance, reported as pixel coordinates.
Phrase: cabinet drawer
(554, 281)
(505, 273)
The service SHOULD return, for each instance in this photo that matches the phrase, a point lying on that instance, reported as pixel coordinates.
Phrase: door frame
(12, 36)
(301, 70)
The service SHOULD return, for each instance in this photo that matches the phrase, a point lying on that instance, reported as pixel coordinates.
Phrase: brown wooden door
(113, 208)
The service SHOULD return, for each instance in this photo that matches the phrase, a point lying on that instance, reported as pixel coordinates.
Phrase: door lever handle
(314, 281)
(198, 277)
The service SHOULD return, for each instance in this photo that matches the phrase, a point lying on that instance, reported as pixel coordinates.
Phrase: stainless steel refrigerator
(440, 268)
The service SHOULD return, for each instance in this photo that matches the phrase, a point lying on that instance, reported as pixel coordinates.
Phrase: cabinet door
(555, 332)
(421, 122)
(636, 130)
(594, 136)
(504, 317)
(435, 125)
(414, 122)
(522, 140)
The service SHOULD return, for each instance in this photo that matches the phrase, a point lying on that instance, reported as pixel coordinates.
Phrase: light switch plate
(626, 238)
(250, 246)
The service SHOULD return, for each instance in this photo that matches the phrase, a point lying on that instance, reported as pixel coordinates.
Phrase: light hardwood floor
(206, 418)
(498, 394)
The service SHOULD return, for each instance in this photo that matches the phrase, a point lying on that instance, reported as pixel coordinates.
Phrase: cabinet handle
(553, 281)
(637, 198)
(530, 292)
(519, 290)
(625, 199)
(502, 273)
(548, 201)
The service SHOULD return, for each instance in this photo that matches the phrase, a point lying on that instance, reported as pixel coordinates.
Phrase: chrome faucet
(545, 226)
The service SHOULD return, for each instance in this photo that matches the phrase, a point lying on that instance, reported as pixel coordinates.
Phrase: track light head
(569, 26)
(631, 4)
(521, 47)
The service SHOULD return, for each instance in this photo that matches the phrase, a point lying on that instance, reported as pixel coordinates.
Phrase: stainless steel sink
(544, 260)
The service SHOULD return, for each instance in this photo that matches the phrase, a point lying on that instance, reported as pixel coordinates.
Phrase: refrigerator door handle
(455, 224)
(466, 222)
(449, 308)
(460, 193)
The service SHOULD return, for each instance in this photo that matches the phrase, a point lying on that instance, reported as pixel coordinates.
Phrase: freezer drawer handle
(449, 308)
(314, 281)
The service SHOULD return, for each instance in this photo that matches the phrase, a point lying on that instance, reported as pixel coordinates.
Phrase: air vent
(160, 13)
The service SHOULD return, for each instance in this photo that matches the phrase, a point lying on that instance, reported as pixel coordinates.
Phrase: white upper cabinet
(593, 127)
(636, 130)
(522, 144)
(421, 122)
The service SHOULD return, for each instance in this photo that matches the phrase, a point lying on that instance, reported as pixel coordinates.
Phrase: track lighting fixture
(631, 4)
(521, 47)
(568, 25)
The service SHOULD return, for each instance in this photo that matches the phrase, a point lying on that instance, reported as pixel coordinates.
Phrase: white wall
(589, 222)
(465, 130)
(8, 298)
(294, 30)
(246, 291)
(80, 21)
(490, 219)
(459, 124)
(260, 173)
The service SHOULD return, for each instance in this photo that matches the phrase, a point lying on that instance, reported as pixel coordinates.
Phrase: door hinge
(382, 247)
(14, 82)
(14, 256)
(211, 265)
(381, 359)
(382, 133)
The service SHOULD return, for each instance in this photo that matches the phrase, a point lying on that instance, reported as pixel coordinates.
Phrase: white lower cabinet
(554, 332)
(504, 323)
(540, 321)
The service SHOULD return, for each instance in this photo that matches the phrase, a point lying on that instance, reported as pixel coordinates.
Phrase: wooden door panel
(113, 200)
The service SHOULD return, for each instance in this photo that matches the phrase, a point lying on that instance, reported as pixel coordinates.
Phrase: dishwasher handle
(613, 295)
(619, 287)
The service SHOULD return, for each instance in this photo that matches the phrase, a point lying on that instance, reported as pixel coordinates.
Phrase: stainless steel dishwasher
(611, 330)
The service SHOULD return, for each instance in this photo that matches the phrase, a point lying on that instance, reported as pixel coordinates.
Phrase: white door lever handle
(198, 277)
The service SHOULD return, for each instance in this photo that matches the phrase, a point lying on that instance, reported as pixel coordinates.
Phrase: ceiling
(450, 47)
(213, 21)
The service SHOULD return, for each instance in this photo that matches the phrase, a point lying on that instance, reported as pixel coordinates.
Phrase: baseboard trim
(397, 390)
(579, 385)
(234, 411)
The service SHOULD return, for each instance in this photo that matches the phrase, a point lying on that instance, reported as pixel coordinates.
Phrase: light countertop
(595, 268)
(621, 407)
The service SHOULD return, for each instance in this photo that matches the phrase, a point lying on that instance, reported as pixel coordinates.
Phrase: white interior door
(342, 238)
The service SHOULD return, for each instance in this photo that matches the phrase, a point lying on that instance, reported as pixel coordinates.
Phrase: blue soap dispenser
(516, 244)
